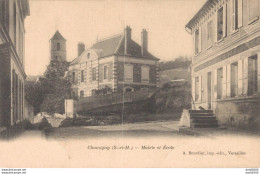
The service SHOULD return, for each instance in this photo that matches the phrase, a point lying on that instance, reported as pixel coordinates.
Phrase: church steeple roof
(57, 36)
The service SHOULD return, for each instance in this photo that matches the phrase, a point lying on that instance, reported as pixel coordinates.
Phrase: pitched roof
(57, 36)
(108, 46)
(135, 50)
(115, 45)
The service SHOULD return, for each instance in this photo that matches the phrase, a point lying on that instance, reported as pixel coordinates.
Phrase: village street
(135, 144)
(145, 129)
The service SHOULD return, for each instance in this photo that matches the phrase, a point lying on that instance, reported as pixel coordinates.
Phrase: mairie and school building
(226, 62)
(117, 63)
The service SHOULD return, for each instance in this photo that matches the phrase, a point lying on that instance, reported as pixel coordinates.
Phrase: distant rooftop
(57, 36)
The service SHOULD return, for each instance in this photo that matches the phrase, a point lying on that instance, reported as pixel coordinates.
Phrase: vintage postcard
(130, 83)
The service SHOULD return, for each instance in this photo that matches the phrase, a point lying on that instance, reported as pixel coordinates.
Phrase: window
(237, 6)
(105, 72)
(197, 89)
(81, 93)
(252, 75)
(128, 73)
(73, 77)
(219, 83)
(220, 26)
(197, 42)
(145, 71)
(94, 74)
(82, 75)
(58, 46)
(88, 55)
(209, 34)
(253, 9)
(234, 79)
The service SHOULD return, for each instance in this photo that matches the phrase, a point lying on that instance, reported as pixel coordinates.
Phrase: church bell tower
(58, 47)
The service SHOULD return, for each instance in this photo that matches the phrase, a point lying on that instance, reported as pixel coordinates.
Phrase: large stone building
(226, 61)
(118, 63)
(12, 74)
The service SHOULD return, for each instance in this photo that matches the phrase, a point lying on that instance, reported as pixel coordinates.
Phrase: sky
(89, 20)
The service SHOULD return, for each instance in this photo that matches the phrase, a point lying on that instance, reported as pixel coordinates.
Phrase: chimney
(81, 48)
(127, 39)
(144, 42)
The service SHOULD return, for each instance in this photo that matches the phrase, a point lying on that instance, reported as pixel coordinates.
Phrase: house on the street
(226, 61)
(12, 59)
(117, 63)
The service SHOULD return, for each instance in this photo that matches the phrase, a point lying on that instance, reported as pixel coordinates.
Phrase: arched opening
(128, 89)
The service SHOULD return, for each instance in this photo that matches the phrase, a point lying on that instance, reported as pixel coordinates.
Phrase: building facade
(226, 61)
(117, 63)
(12, 74)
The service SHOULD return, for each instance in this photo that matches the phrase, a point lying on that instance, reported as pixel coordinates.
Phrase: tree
(56, 87)
(49, 92)
(180, 62)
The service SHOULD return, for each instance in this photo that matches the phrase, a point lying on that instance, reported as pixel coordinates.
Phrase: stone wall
(240, 113)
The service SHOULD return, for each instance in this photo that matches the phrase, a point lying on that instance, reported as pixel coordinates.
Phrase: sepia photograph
(130, 84)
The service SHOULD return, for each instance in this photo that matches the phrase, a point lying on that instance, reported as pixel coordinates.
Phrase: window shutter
(233, 15)
(200, 88)
(101, 74)
(245, 76)
(224, 84)
(228, 80)
(79, 74)
(215, 76)
(240, 13)
(224, 20)
(110, 71)
(200, 39)
(258, 72)
(85, 76)
(240, 77)
(215, 27)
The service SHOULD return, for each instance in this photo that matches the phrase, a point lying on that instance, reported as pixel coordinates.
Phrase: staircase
(203, 119)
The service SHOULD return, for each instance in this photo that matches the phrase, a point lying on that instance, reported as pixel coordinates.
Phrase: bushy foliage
(104, 91)
(48, 93)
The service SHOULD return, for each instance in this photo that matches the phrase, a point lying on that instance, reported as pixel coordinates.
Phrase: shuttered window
(197, 40)
(219, 83)
(253, 9)
(82, 75)
(105, 72)
(145, 71)
(252, 75)
(220, 24)
(209, 34)
(197, 89)
(94, 74)
(73, 77)
(234, 79)
(237, 14)
(128, 73)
